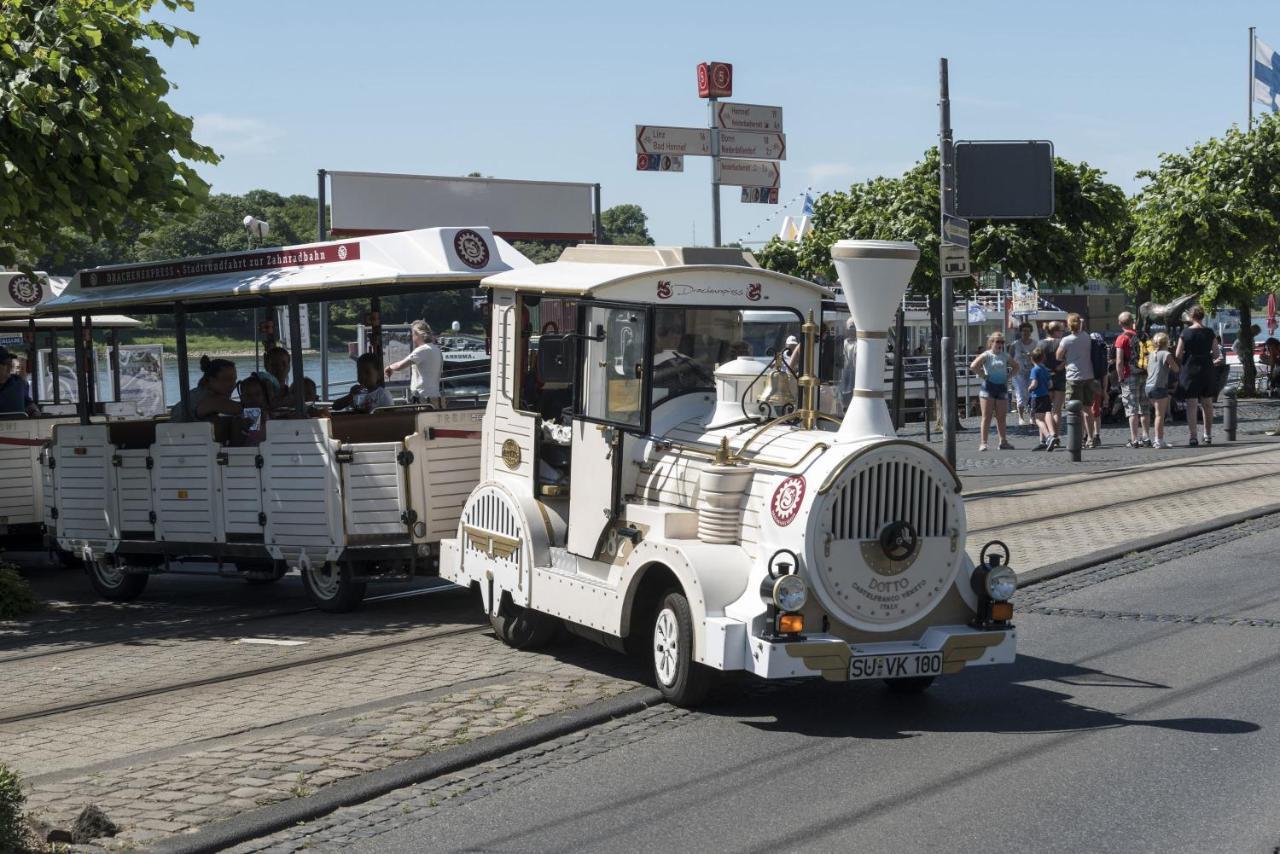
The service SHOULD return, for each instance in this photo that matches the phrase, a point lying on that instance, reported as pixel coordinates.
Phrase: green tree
(1209, 220)
(87, 141)
(626, 225)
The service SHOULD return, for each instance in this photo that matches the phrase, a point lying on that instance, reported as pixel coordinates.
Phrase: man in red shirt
(1133, 387)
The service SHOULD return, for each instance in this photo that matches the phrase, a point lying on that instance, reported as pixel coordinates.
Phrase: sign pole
(947, 204)
(322, 233)
(715, 170)
(1253, 37)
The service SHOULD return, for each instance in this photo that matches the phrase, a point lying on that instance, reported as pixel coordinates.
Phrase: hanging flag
(1271, 314)
(976, 313)
(808, 206)
(1266, 75)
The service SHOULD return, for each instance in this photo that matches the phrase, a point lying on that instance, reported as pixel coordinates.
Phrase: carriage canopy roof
(20, 294)
(360, 267)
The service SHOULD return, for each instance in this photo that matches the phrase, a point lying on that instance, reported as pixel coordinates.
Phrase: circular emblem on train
(25, 291)
(342, 253)
(511, 454)
(471, 249)
(786, 501)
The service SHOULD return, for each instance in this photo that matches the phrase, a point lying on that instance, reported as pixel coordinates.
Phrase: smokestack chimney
(874, 275)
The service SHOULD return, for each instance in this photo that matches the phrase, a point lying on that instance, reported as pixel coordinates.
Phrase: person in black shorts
(1057, 371)
(1197, 351)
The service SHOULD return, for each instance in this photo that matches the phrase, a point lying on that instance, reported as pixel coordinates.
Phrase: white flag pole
(1252, 47)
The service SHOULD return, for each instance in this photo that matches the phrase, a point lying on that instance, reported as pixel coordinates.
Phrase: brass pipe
(670, 445)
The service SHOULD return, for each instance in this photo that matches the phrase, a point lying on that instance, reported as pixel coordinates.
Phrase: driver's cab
(632, 357)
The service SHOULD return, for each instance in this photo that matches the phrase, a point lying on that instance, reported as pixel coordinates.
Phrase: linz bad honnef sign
(1004, 180)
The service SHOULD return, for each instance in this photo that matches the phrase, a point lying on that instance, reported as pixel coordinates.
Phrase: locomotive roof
(358, 267)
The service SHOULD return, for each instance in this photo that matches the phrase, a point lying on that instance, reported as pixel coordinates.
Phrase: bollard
(1229, 418)
(1075, 429)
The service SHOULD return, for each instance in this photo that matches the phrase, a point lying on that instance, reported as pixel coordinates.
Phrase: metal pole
(53, 366)
(322, 233)
(295, 340)
(88, 366)
(33, 348)
(599, 214)
(113, 355)
(180, 340)
(1230, 418)
(82, 389)
(715, 169)
(900, 355)
(1075, 435)
(1252, 47)
(945, 197)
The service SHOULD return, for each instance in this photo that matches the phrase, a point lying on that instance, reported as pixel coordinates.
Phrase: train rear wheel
(111, 582)
(683, 681)
(520, 628)
(331, 587)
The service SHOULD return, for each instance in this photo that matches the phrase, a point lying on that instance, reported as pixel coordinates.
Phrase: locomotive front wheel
(910, 685)
(331, 588)
(112, 583)
(520, 628)
(683, 681)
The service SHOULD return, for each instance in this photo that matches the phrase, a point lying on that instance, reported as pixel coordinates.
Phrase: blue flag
(1266, 75)
(808, 206)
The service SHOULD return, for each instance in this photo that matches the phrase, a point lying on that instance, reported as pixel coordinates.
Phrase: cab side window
(614, 367)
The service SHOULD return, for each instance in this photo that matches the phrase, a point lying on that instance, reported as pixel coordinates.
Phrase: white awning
(20, 294)
(339, 269)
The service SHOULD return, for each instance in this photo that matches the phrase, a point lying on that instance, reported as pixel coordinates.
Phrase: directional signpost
(744, 142)
(955, 230)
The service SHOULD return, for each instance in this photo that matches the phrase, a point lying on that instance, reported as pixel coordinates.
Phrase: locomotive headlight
(1001, 583)
(787, 592)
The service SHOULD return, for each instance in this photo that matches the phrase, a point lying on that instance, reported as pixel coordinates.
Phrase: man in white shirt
(425, 363)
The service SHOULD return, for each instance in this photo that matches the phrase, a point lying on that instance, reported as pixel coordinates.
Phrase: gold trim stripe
(494, 545)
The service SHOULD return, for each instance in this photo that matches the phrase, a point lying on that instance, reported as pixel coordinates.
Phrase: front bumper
(828, 656)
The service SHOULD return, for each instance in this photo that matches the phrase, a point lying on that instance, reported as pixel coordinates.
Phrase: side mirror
(556, 358)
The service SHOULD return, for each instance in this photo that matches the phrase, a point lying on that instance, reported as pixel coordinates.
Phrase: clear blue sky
(552, 90)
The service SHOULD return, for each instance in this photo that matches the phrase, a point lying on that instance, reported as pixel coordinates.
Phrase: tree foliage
(626, 225)
(87, 141)
(1066, 248)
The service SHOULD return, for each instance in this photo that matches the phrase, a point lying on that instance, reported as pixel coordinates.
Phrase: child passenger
(369, 393)
(1041, 409)
(253, 399)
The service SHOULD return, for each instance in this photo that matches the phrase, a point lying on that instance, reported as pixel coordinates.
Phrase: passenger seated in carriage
(369, 393)
(15, 395)
(212, 395)
(276, 376)
(253, 400)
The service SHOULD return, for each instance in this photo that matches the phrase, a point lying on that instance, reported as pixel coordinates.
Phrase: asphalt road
(1142, 716)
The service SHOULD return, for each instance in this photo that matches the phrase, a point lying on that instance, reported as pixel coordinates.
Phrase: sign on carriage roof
(272, 259)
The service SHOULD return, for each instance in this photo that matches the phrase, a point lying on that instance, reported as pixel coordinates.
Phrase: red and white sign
(751, 117)
(743, 143)
(715, 80)
(275, 259)
(656, 139)
(471, 249)
(747, 173)
(786, 501)
(25, 291)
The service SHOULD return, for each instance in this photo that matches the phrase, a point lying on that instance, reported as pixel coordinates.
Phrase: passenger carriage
(344, 498)
(648, 483)
(23, 438)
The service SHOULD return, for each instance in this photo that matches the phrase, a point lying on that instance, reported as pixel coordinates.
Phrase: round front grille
(889, 538)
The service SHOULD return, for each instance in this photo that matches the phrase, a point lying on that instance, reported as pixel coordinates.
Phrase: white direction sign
(955, 230)
(747, 173)
(955, 261)
(655, 139)
(743, 143)
(756, 117)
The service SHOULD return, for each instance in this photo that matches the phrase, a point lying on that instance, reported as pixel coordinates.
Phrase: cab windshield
(690, 343)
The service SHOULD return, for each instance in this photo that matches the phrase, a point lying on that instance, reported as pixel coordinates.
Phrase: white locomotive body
(673, 497)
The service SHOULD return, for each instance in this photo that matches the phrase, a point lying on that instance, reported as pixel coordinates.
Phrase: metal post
(1252, 46)
(82, 390)
(599, 214)
(113, 355)
(947, 202)
(88, 366)
(33, 361)
(375, 326)
(295, 339)
(322, 233)
(53, 366)
(900, 355)
(1230, 418)
(180, 340)
(715, 168)
(1075, 437)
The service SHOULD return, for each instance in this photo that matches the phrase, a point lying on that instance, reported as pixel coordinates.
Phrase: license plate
(896, 666)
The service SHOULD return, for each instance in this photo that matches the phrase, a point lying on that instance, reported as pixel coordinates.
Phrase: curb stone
(278, 816)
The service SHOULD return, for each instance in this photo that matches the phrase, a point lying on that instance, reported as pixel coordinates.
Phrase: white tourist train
(345, 498)
(650, 482)
(23, 436)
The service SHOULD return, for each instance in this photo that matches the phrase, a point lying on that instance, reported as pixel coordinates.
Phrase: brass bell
(778, 391)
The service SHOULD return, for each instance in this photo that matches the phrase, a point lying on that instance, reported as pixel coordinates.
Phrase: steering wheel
(550, 326)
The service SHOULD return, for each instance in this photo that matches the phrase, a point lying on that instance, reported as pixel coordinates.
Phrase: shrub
(16, 598)
(13, 836)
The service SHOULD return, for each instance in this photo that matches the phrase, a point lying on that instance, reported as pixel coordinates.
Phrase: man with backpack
(1131, 366)
(1076, 351)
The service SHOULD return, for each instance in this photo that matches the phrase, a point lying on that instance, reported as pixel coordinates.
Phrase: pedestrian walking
(1057, 370)
(1196, 353)
(1161, 367)
(1133, 382)
(1039, 385)
(1020, 352)
(995, 367)
(1103, 361)
(1075, 352)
